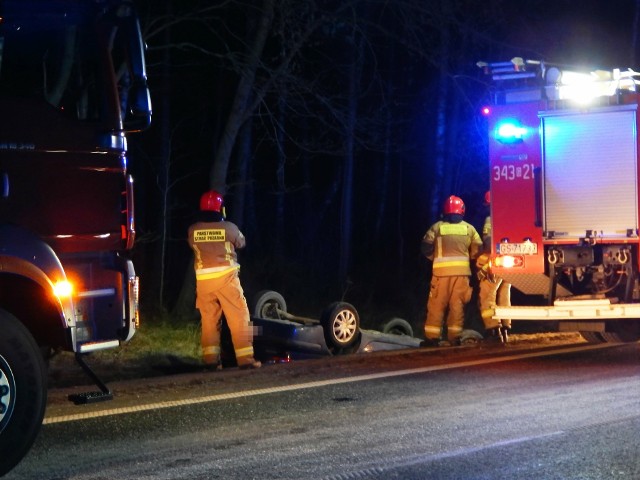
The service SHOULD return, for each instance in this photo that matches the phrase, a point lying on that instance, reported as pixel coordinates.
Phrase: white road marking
(319, 383)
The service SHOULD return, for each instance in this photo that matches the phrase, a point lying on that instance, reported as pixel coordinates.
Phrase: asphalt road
(466, 413)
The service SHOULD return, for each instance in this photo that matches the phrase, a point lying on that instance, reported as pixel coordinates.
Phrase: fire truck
(563, 149)
(72, 87)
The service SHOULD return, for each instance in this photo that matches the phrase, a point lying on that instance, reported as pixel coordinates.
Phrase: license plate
(526, 248)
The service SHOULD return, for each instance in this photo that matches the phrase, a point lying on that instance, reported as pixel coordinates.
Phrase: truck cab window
(49, 65)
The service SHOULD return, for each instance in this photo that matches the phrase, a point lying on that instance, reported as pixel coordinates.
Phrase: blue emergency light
(510, 131)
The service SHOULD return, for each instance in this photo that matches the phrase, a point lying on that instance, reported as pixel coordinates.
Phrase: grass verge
(154, 347)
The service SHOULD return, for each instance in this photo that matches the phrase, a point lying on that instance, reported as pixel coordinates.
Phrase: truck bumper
(570, 311)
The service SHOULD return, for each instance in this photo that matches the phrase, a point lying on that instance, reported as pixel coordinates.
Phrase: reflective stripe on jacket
(454, 244)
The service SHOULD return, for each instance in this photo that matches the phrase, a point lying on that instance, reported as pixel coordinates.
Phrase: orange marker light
(63, 289)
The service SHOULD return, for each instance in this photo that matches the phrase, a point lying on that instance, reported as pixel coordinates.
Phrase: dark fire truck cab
(72, 86)
(563, 148)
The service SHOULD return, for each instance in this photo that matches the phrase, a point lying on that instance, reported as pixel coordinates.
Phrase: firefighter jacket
(483, 261)
(214, 245)
(486, 234)
(451, 246)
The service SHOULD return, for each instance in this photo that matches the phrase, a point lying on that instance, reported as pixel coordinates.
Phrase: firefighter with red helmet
(218, 291)
(450, 244)
(493, 290)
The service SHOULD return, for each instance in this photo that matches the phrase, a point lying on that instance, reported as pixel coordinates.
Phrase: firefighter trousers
(447, 299)
(493, 291)
(214, 297)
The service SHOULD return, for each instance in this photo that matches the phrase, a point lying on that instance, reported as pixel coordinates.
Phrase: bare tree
(307, 74)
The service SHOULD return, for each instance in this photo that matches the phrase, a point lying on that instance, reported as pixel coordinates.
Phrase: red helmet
(487, 198)
(211, 201)
(453, 206)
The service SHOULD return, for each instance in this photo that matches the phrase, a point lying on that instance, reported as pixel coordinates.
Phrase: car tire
(341, 325)
(23, 392)
(398, 326)
(268, 304)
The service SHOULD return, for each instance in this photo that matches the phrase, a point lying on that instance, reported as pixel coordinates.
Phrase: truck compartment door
(590, 177)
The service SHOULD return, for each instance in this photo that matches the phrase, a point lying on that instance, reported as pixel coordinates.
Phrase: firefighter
(450, 244)
(493, 289)
(218, 291)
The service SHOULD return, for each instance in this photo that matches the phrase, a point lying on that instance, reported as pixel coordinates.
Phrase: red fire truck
(563, 147)
(72, 86)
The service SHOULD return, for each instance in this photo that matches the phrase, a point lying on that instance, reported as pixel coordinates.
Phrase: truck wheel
(341, 325)
(398, 326)
(592, 337)
(622, 332)
(268, 303)
(617, 338)
(23, 392)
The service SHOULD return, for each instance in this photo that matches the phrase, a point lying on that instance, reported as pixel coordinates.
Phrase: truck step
(90, 397)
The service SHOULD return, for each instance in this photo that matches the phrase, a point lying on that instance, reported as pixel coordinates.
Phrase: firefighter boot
(212, 367)
(430, 342)
(504, 334)
(253, 364)
(212, 362)
(493, 336)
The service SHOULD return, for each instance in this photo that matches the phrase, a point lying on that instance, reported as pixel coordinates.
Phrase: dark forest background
(335, 129)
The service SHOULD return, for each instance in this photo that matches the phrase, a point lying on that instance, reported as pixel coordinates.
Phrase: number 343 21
(513, 172)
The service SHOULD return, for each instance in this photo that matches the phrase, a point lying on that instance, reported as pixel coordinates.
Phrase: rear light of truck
(509, 261)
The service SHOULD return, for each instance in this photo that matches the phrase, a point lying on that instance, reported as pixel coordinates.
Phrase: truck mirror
(138, 114)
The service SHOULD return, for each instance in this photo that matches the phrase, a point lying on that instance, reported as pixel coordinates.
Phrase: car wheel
(341, 325)
(269, 304)
(23, 393)
(398, 326)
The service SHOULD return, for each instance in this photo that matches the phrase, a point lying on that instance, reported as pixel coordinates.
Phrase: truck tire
(341, 326)
(592, 337)
(621, 332)
(617, 338)
(23, 392)
(267, 303)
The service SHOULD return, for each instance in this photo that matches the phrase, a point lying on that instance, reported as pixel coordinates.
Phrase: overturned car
(282, 336)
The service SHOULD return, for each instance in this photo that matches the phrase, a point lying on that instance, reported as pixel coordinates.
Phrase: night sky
(591, 33)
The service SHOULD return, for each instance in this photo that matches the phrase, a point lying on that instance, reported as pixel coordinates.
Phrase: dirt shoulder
(64, 371)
